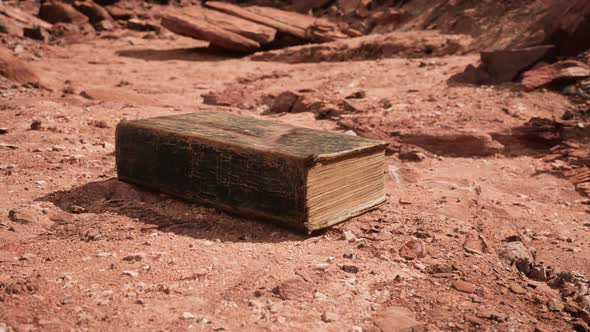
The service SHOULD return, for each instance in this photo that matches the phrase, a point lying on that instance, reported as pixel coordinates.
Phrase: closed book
(300, 177)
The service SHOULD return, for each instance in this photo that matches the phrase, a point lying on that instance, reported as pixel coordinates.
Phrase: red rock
(16, 70)
(55, 12)
(119, 13)
(294, 288)
(505, 65)
(517, 289)
(72, 32)
(295, 24)
(301, 26)
(476, 244)
(190, 27)
(396, 319)
(464, 286)
(559, 71)
(284, 102)
(23, 17)
(474, 319)
(251, 30)
(94, 12)
(413, 249)
(452, 142)
(37, 33)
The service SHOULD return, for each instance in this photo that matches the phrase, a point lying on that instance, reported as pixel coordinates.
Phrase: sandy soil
(87, 252)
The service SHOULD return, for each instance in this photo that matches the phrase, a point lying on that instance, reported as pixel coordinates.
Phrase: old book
(300, 177)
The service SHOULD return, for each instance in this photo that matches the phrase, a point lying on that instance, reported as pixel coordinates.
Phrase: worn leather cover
(240, 164)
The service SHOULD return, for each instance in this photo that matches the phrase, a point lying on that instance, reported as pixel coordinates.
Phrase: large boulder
(94, 12)
(16, 70)
(59, 12)
(560, 72)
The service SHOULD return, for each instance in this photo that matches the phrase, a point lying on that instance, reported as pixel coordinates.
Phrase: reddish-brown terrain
(487, 220)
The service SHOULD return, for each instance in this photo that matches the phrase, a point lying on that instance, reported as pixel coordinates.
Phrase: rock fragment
(36, 125)
(413, 249)
(396, 319)
(561, 71)
(464, 286)
(555, 304)
(517, 289)
(328, 317)
(130, 273)
(22, 217)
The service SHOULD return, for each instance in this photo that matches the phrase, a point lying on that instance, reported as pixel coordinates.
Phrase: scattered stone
(130, 273)
(21, 216)
(36, 125)
(328, 317)
(77, 209)
(58, 148)
(474, 319)
(68, 299)
(357, 95)
(492, 315)
(321, 266)
(36, 33)
(284, 103)
(349, 236)
(92, 235)
(320, 296)
(8, 146)
(141, 25)
(40, 184)
(61, 217)
(515, 252)
(98, 124)
(413, 249)
(350, 268)
(294, 288)
(517, 289)
(555, 304)
(349, 106)
(475, 244)
(538, 273)
(187, 316)
(104, 25)
(136, 257)
(409, 154)
(4, 131)
(464, 286)
(396, 319)
(119, 13)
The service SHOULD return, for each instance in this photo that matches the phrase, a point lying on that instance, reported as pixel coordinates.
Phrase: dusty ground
(89, 252)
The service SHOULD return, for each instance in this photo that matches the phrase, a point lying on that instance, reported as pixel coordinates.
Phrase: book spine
(250, 183)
